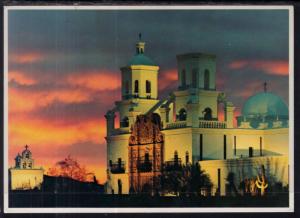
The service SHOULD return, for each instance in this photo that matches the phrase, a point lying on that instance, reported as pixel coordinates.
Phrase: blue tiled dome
(141, 59)
(266, 104)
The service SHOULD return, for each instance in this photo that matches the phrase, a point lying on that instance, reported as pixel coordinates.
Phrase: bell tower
(197, 70)
(139, 86)
(196, 97)
(139, 77)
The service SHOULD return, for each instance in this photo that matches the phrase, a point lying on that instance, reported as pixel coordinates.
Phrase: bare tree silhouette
(70, 168)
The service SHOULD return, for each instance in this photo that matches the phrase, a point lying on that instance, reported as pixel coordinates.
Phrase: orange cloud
(26, 100)
(20, 102)
(103, 80)
(30, 57)
(20, 78)
(236, 65)
(167, 78)
(171, 75)
(46, 132)
(50, 141)
(274, 67)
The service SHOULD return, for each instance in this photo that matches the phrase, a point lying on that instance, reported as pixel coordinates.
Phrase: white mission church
(185, 128)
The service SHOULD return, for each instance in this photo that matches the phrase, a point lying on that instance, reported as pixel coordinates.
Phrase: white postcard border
(290, 8)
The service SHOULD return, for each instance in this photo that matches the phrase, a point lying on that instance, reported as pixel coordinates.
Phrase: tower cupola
(139, 77)
(140, 46)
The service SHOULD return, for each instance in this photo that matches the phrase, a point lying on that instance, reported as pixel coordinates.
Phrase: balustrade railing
(177, 124)
(212, 124)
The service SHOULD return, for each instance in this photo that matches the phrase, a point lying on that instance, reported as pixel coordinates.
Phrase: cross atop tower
(265, 86)
(140, 36)
(26, 147)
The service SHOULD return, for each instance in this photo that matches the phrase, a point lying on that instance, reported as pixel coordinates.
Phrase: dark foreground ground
(38, 199)
(65, 192)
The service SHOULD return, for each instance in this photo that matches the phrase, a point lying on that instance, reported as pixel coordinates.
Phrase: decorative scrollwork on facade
(145, 152)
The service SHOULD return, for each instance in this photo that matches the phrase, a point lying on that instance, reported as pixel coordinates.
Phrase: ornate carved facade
(145, 153)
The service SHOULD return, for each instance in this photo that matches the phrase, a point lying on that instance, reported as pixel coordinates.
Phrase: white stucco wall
(117, 147)
(26, 178)
(179, 140)
(276, 169)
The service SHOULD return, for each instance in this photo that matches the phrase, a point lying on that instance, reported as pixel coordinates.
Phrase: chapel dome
(26, 152)
(265, 104)
(141, 59)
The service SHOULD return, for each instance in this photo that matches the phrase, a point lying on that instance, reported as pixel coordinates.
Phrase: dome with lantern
(140, 58)
(264, 107)
(26, 153)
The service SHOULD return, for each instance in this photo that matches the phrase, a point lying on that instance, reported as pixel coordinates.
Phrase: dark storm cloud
(105, 39)
(77, 112)
(78, 40)
(253, 84)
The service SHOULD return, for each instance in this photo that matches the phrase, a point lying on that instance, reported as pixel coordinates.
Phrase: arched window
(182, 114)
(27, 155)
(206, 79)
(136, 86)
(183, 78)
(207, 113)
(148, 86)
(125, 122)
(126, 87)
(195, 78)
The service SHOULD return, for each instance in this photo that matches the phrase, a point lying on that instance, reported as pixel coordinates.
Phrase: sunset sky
(63, 69)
